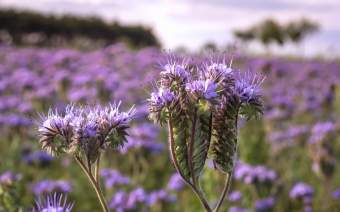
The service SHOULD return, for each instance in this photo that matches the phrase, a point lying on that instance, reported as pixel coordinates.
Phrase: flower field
(287, 159)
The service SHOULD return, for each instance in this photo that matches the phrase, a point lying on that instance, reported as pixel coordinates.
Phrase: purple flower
(53, 203)
(8, 178)
(205, 89)
(175, 71)
(237, 209)
(254, 174)
(320, 131)
(49, 186)
(247, 87)
(266, 204)
(336, 194)
(113, 177)
(38, 157)
(160, 195)
(301, 191)
(216, 71)
(87, 129)
(136, 196)
(175, 183)
(235, 196)
(119, 200)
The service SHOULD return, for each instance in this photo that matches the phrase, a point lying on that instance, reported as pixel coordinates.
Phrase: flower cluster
(9, 177)
(84, 130)
(302, 191)
(113, 177)
(53, 203)
(201, 105)
(254, 174)
(123, 201)
(49, 186)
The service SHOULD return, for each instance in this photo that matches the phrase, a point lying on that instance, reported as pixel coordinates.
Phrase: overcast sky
(191, 23)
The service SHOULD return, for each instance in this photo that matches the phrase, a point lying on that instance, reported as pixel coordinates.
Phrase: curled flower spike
(201, 106)
(53, 203)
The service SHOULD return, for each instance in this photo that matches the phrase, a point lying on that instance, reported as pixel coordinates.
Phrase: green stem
(224, 192)
(94, 184)
(96, 171)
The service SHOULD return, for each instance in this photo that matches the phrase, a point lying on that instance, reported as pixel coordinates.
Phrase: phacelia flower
(217, 71)
(266, 204)
(301, 191)
(84, 129)
(8, 178)
(53, 203)
(113, 177)
(175, 183)
(49, 186)
(247, 87)
(235, 196)
(205, 89)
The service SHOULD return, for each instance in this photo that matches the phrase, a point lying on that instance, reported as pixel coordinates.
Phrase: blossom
(301, 191)
(160, 195)
(53, 203)
(9, 177)
(113, 177)
(216, 71)
(254, 174)
(48, 186)
(87, 129)
(265, 204)
(205, 89)
(235, 196)
(175, 71)
(175, 183)
(247, 87)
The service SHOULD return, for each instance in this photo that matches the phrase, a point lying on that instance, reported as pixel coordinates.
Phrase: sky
(192, 23)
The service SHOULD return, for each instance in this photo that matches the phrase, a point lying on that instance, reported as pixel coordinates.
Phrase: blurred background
(53, 52)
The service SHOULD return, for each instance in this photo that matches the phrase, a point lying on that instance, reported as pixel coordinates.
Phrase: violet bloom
(237, 209)
(113, 177)
(53, 203)
(49, 186)
(8, 178)
(205, 89)
(175, 183)
(235, 196)
(301, 191)
(320, 131)
(266, 204)
(136, 196)
(216, 71)
(119, 201)
(254, 174)
(336, 194)
(84, 130)
(175, 71)
(40, 158)
(247, 87)
(160, 195)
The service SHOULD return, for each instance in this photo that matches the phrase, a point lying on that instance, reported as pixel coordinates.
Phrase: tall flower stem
(94, 184)
(224, 192)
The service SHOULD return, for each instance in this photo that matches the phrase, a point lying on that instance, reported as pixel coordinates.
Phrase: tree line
(26, 27)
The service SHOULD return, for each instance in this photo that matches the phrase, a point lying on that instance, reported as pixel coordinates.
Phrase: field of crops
(287, 160)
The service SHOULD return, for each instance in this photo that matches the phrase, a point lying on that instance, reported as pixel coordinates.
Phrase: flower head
(301, 191)
(84, 129)
(53, 203)
(205, 89)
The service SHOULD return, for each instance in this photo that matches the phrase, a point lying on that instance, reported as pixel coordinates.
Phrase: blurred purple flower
(301, 191)
(49, 186)
(9, 177)
(53, 203)
(235, 196)
(266, 204)
(175, 183)
(113, 177)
